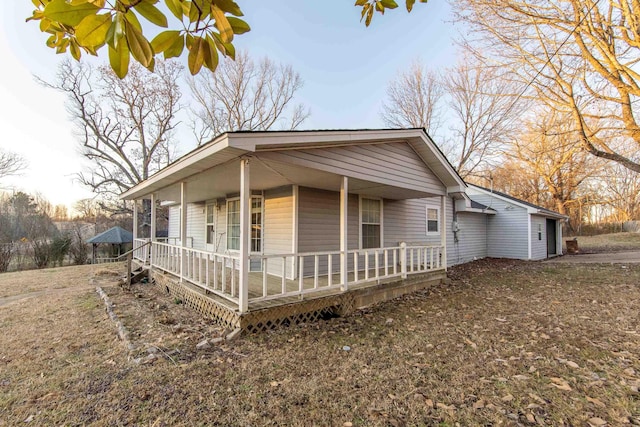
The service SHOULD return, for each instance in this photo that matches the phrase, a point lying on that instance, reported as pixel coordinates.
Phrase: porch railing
(141, 250)
(215, 273)
(287, 275)
(290, 275)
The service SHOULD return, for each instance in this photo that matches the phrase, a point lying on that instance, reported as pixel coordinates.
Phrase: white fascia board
(184, 162)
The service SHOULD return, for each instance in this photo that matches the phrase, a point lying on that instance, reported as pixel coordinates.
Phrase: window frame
(361, 223)
(251, 239)
(438, 221)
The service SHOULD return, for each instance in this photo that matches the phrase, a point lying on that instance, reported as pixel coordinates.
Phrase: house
(266, 224)
(522, 230)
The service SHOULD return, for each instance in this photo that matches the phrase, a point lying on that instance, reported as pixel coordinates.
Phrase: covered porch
(247, 264)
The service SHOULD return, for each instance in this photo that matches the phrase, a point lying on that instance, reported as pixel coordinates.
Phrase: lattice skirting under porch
(293, 312)
(206, 306)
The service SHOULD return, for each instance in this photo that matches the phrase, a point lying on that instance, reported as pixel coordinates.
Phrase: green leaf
(132, 19)
(61, 11)
(229, 6)
(151, 14)
(164, 40)
(210, 54)
(380, 7)
(92, 31)
(196, 54)
(369, 16)
(138, 45)
(222, 24)
(75, 49)
(175, 7)
(119, 59)
(238, 25)
(361, 2)
(389, 4)
(410, 4)
(175, 50)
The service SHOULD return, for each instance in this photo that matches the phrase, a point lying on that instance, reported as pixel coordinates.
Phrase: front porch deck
(307, 285)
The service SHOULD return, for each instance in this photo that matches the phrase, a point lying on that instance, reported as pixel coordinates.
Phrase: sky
(345, 67)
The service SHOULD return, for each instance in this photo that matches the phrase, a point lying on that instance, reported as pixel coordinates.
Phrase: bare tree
(621, 191)
(546, 167)
(245, 95)
(11, 163)
(413, 99)
(580, 57)
(125, 126)
(482, 115)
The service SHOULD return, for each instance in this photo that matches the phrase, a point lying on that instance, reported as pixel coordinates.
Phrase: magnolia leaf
(229, 6)
(61, 11)
(75, 49)
(175, 50)
(238, 25)
(92, 31)
(138, 45)
(132, 19)
(151, 14)
(62, 46)
(196, 54)
(164, 40)
(175, 7)
(116, 31)
(380, 7)
(361, 2)
(229, 50)
(410, 4)
(119, 59)
(369, 16)
(389, 4)
(222, 24)
(210, 54)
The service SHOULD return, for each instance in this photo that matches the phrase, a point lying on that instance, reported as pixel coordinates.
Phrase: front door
(551, 237)
(210, 227)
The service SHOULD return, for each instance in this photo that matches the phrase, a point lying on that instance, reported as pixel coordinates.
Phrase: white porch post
(443, 232)
(245, 235)
(135, 220)
(183, 228)
(153, 227)
(344, 218)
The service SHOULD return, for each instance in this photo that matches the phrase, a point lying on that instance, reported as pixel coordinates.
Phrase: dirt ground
(504, 343)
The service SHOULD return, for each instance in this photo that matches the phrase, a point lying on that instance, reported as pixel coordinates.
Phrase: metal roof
(115, 235)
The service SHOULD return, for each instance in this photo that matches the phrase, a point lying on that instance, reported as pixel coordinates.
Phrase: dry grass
(507, 342)
(609, 242)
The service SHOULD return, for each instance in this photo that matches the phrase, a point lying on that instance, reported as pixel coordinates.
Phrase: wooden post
(403, 260)
(129, 257)
(344, 219)
(153, 227)
(245, 235)
(135, 220)
(443, 232)
(183, 228)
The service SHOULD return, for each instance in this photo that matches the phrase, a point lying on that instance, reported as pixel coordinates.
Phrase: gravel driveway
(625, 257)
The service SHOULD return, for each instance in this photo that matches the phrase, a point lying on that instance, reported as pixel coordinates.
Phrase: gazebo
(116, 236)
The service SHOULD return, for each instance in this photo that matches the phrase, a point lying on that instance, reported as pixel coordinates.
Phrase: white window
(371, 223)
(433, 221)
(233, 224)
(210, 224)
(256, 224)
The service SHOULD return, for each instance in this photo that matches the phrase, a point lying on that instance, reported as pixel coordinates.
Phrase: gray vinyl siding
(472, 238)
(391, 164)
(507, 229)
(195, 226)
(538, 247)
(278, 227)
(319, 224)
